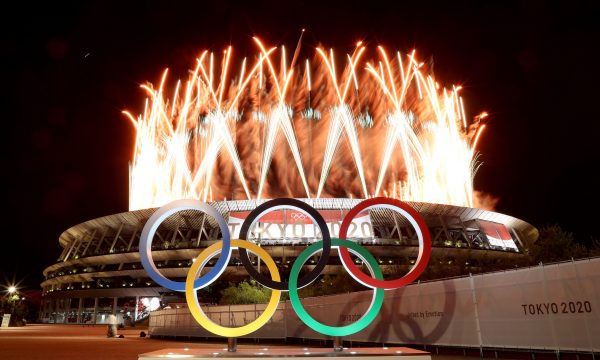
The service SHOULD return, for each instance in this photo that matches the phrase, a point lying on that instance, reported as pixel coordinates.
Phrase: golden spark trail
(280, 118)
(343, 119)
(217, 134)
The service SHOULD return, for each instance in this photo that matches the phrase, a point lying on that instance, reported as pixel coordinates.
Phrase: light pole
(9, 304)
(12, 292)
(10, 297)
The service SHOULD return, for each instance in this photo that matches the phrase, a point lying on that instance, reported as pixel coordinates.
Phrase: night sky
(68, 70)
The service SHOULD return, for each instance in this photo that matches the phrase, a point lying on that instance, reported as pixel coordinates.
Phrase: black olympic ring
(276, 204)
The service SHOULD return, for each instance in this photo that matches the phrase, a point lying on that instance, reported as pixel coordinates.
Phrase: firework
(312, 128)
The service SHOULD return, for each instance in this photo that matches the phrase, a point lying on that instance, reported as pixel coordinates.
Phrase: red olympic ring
(415, 219)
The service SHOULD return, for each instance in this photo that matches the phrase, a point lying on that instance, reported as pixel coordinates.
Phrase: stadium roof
(135, 219)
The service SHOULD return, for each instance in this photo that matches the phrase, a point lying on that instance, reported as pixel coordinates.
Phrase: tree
(330, 284)
(594, 248)
(556, 244)
(245, 293)
(13, 303)
(253, 293)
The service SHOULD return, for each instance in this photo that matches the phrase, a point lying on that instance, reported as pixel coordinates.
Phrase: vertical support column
(90, 240)
(476, 313)
(483, 235)
(50, 305)
(137, 228)
(67, 305)
(57, 309)
(515, 233)
(135, 311)
(79, 310)
(285, 224)
(41, 310)
(586, 317)
(71, 246)
(112, 246)
(259, 241)
(75, 254)
(114, 307)
(547, 299)
(64, 252)
(463, 231)
(231, 344)
(201, 230)
(95, 309)
(445, 228)
(51, 311)
(338, 343)
(396, 226)
(174, 237)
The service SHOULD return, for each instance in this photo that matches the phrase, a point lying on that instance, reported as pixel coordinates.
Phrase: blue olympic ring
(150, 229)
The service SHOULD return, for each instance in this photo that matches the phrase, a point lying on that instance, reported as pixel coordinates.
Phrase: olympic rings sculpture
(227, 245)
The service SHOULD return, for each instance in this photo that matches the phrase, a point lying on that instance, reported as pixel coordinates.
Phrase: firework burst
(377, 127)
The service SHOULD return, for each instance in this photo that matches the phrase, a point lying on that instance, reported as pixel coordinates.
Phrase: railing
(163, 322)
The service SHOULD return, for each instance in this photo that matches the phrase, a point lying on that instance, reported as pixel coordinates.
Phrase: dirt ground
(50, 342)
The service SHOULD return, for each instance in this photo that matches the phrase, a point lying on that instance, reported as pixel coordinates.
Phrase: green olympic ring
(376, 302)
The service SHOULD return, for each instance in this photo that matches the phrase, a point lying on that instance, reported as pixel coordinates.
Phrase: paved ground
(51, 342)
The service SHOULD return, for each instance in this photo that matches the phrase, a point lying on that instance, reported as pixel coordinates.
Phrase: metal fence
(179, 322)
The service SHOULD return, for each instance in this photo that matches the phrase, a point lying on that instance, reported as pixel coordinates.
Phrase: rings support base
(276, 353)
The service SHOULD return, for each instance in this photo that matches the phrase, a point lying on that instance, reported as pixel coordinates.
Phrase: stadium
(99, 270)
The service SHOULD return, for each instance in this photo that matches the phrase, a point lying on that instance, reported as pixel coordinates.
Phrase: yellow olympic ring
(192, 297)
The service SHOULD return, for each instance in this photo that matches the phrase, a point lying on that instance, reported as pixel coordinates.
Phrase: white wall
(545, 307)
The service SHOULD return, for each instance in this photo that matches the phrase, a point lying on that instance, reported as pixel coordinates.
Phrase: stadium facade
(99, 272)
